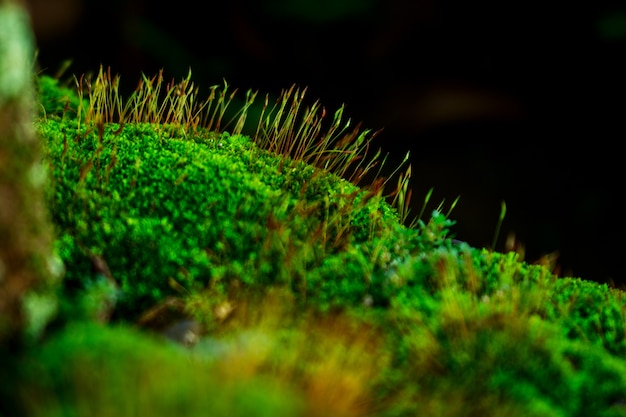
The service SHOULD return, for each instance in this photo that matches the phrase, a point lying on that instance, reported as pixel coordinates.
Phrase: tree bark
(26, 255)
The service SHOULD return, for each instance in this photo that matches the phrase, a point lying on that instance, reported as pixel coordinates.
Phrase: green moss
(590, 312)
(96, 370)
(56, 99)
(157, 208)
(463, 350)
(223, 222)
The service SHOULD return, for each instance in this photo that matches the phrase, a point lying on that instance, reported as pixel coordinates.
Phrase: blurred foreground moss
(95, 370)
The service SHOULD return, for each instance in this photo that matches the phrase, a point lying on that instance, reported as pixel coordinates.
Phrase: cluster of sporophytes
(155, 192)
(312, 290)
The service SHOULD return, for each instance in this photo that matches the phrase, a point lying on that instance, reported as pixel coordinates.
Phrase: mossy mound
(165, 212)
(299, 279)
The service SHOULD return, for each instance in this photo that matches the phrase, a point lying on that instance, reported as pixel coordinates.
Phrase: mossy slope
(418, 323)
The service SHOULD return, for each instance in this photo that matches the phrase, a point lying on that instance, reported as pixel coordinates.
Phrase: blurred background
(521, 102)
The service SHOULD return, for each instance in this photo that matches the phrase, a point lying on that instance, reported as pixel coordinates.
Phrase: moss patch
(300, 279)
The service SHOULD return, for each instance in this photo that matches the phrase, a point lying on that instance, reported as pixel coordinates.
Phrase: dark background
(521, 102)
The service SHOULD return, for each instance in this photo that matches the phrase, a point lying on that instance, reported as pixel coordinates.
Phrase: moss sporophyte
(157, 187)
(269, 235)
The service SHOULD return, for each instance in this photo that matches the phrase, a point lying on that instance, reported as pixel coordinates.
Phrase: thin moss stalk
(289, 127)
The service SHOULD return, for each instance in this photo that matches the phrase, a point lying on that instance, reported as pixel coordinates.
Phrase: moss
(55, 98)
(157, 208)
(462, 351)
(96, 370)
(300, 277)
(590, 312)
